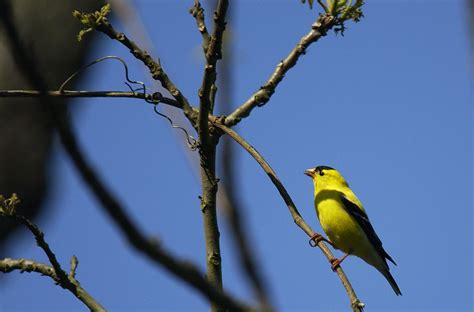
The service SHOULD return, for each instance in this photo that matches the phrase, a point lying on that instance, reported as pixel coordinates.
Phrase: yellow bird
(345, 222)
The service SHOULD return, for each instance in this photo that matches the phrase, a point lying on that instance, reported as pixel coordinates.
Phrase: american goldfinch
(345, 222)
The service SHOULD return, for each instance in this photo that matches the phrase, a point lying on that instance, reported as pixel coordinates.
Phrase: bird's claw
(316, 238)
(335, 263)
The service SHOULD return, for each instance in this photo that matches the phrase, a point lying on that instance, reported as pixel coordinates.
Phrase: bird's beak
(309, 172)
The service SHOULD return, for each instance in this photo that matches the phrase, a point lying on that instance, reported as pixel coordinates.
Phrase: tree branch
(8, 265)
(154, 97)
(213, 54)
(208, 143)
(197, 12)
(356, 304)
(319, 28)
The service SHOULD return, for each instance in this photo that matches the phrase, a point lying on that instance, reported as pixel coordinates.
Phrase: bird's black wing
(363, 220)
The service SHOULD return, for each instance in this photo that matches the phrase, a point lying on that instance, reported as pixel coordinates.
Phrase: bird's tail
(391, 280)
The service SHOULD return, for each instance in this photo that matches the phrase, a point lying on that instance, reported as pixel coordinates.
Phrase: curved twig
(356, 304)
(109, 57)
(190, 140)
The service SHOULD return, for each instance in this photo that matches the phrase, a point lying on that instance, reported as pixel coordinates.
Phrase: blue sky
(388, 105)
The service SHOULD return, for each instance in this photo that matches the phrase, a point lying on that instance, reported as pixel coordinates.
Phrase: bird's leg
(316, 238)
(335, 263)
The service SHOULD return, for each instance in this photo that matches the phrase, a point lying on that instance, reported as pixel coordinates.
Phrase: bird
(345, 222)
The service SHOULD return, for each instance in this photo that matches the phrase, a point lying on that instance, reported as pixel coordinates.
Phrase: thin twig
(153, 97)
(213, 54)
(319, 28)
(40, 241)
(8, 265)
(356, 304)
(197, 12)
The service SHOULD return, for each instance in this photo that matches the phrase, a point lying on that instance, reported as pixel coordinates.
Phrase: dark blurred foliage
(48, 31)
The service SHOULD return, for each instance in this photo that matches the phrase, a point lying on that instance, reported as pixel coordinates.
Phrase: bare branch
(213, 54)
(214, 51)
(39, 237)
(197, 12)
(319, 28)
(8, 265)
(356, 304)
(151, 98)
(208, 145)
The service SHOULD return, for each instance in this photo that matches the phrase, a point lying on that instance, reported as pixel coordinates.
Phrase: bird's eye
(321, 173)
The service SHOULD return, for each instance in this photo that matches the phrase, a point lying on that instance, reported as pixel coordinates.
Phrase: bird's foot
(316, 238)
(335, 263)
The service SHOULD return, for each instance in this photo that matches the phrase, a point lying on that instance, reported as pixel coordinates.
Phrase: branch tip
(91, 21)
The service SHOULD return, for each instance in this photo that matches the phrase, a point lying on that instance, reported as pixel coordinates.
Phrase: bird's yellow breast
(341, 228)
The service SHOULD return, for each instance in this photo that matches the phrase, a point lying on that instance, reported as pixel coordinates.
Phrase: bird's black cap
(321, 168)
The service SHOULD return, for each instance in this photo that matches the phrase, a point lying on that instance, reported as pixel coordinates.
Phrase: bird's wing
(363, 220)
